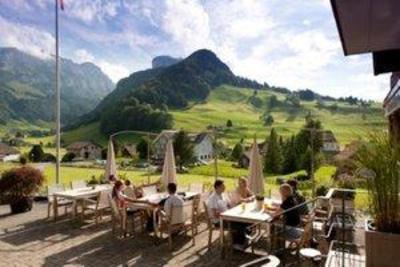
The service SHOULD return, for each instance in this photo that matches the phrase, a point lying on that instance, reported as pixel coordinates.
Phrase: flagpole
(57, 84)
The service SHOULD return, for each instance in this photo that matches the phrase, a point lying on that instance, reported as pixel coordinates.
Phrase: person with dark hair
(303, 210)
(173, 199)
(217, 204)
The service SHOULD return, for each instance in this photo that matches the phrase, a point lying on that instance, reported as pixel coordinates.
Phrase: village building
(86, 150)
(203, 150)
(8, 153)
(129, 150)
(329, 143)
(203, 147)
(244, 159)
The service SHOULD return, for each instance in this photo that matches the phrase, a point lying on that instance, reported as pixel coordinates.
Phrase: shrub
(47, 157)
(302, 177)
(93, 181)
(68, 157)
(18, 184)
(23, 160)
(36, 154)
(321, 190)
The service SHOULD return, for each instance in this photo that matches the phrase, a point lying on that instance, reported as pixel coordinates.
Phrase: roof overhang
(367, 25)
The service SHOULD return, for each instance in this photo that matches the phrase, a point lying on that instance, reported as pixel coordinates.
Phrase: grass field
(227, 102)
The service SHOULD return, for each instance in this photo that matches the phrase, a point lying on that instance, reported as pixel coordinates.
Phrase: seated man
(217, 204)
(173, 199)
(291, 219)
(298, 197)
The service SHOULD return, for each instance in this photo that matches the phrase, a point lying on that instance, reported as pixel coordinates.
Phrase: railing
(341, 222)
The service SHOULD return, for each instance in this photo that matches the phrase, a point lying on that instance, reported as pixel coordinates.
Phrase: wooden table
(248, 214)
(77, 195)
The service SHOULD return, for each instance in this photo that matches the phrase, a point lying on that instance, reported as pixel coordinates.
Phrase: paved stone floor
(30, 239)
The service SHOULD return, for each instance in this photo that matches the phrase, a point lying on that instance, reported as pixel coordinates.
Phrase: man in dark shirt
(303, 210)
(291, 219)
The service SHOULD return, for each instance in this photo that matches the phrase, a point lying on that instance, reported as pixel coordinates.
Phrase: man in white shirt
(216, 202)
(173, 199)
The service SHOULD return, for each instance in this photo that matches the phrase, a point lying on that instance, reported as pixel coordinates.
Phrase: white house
(8, 153)
(329, 143)
(203, 148)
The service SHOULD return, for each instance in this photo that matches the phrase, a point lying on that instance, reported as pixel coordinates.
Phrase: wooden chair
(98, 206)
(78, 184)
(61, 202)
(181, 218)
(196, 188)
(305, 237)
(210, 226)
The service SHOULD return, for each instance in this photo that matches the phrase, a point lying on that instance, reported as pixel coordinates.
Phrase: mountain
(162, 88)
(27, 87)
(164, 61)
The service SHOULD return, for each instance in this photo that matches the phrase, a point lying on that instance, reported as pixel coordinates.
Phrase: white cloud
(29, 39)
(82, 55)
(91, 10)
(113, 70)
(188, 24)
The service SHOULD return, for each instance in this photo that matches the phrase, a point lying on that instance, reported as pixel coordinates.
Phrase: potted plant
(379, 164)
(18, 185)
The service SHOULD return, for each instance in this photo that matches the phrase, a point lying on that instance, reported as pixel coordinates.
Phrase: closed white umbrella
(256, 176)
(169, 171)
(111, 165)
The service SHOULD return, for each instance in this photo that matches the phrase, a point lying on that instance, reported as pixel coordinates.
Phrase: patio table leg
(222, 238)
(55, 208)
(74, 208)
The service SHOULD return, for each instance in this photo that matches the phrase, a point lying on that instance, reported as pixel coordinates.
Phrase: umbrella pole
(215, 156)
(148, 158)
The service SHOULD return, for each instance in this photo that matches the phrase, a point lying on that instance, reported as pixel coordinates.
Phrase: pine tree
(237, 151)
(183, 149)
(229, 123)
(290, 162)
(273, 158)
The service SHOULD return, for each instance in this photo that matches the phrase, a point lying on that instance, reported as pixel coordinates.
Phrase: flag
(62, 4)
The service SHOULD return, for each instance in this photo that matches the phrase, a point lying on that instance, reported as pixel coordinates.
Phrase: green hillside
(227, 102)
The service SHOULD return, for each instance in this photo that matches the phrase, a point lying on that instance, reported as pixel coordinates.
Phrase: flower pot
(21, 205)
(381, 249)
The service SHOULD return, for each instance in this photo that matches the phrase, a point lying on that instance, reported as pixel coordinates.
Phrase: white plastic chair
(78, 184)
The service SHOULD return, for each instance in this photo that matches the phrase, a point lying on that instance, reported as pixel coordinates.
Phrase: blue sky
(292, 43)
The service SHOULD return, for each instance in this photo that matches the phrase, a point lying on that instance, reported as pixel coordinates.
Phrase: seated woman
(244, 191)
(120, 198)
